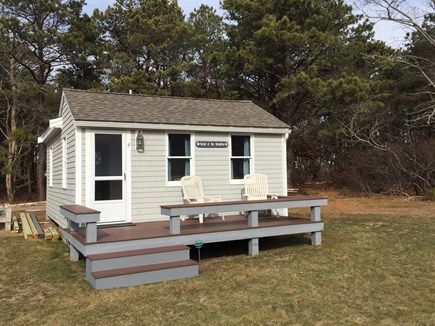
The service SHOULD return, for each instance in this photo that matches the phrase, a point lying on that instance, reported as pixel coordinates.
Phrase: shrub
(430, 193)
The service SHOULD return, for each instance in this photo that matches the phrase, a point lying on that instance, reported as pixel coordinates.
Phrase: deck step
(143, 266)
(133, 258)
(146, 274)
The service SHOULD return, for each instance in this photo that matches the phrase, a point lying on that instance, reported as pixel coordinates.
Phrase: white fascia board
(48, 135)
(54, 129)
(41, 139)
(56, 123)
(194, 128)
(62, 101)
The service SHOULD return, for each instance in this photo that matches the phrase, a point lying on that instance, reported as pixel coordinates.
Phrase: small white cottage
(124, 154)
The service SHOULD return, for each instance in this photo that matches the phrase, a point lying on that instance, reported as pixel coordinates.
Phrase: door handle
(125, 178)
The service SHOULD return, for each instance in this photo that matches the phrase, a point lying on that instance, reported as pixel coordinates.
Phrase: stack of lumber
(32, 228)
(27, 230)
(51, 234)
(16, 225)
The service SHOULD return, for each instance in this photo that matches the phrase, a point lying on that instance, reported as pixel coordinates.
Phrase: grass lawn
(372, 269)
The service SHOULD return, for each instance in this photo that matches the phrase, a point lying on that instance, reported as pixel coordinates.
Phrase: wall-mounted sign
(211, 144)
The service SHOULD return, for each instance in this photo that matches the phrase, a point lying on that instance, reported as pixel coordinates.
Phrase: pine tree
(146, 46)
(288, 55)
(38, 28)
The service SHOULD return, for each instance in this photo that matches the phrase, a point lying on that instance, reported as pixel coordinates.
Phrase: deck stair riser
(136, 258)
(184, 269)
(136, 267)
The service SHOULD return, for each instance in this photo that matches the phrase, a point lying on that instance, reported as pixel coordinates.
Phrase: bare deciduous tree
(404, 131)
(414, 19)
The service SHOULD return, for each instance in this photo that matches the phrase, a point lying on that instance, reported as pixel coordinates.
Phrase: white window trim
(50, 167)
(167, 157)
(251, 158)
(89, 191)
(89, 187)
(64, 163)
(78, 166)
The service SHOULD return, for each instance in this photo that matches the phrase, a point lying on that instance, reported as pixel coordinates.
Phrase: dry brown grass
(376, 266)
(339, 204)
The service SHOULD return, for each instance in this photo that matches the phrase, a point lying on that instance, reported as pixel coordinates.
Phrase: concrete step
(132, 258)
(123, 277)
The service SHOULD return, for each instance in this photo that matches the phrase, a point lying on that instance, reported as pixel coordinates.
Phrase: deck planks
(159, 229)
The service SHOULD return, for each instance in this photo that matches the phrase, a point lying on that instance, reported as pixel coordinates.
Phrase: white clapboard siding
(149, 187)
(57, 195)
(268, 160)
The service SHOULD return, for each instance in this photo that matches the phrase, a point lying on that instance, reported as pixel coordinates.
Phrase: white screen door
(108, 188)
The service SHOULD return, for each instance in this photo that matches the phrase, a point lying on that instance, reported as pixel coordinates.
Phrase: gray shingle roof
(116, 107)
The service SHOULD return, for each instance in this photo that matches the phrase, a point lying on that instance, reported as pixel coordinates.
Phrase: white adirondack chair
(193, 193)
(256, 188)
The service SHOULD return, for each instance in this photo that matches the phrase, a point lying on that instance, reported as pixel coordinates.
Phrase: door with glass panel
(109, 177)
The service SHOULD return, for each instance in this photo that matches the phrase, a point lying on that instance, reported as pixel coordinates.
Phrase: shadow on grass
(240, 247)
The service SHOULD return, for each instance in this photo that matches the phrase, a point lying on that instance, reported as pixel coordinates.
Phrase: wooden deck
(143, 253)
(160, 229)
(157, 234)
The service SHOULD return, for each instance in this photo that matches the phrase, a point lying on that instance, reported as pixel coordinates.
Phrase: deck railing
(251, 207)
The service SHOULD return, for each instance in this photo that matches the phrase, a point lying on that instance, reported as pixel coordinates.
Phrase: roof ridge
(155, 96)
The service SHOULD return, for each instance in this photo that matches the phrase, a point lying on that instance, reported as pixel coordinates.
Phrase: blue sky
(392, 34)
(186, 5)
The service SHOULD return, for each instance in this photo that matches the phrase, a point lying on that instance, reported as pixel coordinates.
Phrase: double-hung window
(179, 156)
(240, 156)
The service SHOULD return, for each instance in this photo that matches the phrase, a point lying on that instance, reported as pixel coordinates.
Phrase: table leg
(91, 232)
(253, 218)
(174, 225)
(315, 214)
(316, 237)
